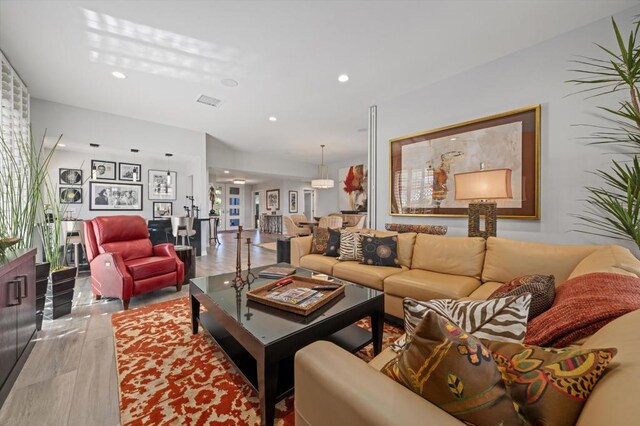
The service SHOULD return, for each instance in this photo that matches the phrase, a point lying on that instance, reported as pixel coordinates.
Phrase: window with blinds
(14, 107)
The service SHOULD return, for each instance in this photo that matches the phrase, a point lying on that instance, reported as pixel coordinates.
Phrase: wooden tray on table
(258, 295)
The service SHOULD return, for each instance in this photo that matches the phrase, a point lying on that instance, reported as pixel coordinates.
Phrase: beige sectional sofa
(435, 267)
(352, 392)
(334, 387)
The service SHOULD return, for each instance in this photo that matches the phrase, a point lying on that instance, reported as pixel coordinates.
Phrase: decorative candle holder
(238, 281)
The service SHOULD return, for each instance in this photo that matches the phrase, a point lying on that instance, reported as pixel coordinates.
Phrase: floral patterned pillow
(319, 240)
(455, 371)
(549, 385)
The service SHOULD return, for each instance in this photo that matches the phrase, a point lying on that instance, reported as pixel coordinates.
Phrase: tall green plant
(23, 169)
(613, 209)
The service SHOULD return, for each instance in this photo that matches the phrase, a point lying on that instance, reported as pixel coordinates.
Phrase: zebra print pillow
(351, 245)
(504, 319)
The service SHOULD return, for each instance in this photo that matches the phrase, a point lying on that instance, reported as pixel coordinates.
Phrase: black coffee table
(261, 341)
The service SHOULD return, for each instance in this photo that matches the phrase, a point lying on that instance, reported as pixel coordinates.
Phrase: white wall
(221, 155)
(535, 75)
(284, 186)
(327, 199)
(116, 136)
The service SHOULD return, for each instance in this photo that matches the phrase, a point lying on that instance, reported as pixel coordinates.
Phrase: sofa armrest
(333, 387)
(110, 277)
(167, 250)
(300, 246)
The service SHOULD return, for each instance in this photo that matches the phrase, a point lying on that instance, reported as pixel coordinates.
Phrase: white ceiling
(286, 56)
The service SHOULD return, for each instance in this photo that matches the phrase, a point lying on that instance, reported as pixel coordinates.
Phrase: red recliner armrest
(110, 276)
(167, 250)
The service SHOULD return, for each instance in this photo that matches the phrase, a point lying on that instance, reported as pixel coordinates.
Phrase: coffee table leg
(195, 314)
(377, 328)
(267, 387)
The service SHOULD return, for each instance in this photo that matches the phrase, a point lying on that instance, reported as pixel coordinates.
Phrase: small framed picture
(162, 186)
(115, 196)
(273, 199)
(70, 195)
(130, 172)
(105, 170)
(162, 209)
(293, 201)
(70, 176)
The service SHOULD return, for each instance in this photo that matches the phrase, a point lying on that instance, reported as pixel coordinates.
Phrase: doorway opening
(309, 203)
(256, 209)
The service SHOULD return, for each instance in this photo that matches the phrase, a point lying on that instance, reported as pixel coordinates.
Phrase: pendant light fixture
(168, 155)
(135, 169)
(94, 169)
(323, 182)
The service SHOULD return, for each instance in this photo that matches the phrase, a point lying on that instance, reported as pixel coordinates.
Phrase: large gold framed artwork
(423, 165)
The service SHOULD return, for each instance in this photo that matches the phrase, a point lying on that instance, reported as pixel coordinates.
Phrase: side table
(188, 256)
(283, 249)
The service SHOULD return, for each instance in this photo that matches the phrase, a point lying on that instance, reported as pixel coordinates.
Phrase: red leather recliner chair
(124, 263)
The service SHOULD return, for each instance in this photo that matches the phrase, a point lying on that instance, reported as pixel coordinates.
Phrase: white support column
(372, 166)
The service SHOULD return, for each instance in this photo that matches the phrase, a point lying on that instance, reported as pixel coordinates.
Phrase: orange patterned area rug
(166, 375)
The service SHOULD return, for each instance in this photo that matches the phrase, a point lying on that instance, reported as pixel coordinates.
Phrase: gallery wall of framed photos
(121, 186)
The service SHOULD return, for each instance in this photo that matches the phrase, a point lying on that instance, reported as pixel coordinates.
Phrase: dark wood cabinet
(17, 315)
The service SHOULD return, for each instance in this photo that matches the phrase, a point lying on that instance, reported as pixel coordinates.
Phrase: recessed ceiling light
(118, 74)
(453, 139)
(61, 144)
(343, 78)
(272, 118)
(226, 172)
(229, 82)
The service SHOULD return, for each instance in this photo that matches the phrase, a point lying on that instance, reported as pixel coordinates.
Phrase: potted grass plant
(62, 277)
(613, 208)
(23, 169)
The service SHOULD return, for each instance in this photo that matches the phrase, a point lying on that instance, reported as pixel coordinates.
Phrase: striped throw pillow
(502, 319)
(351, 245)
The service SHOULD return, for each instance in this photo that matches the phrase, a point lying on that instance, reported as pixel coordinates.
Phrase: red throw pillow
(582, 306)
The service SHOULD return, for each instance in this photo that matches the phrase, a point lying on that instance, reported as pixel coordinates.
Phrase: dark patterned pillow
(541, 287)
(455, 371)
(333, 243)
(319, 240)
(549, 385)
(380, 251)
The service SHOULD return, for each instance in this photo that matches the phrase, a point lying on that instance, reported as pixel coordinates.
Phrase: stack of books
(276, 272)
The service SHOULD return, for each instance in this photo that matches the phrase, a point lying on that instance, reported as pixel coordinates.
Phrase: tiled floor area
(70, 376)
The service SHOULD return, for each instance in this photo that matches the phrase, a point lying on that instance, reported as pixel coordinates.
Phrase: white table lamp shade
(483, 185)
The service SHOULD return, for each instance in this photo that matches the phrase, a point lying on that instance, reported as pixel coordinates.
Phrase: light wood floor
(70, 376)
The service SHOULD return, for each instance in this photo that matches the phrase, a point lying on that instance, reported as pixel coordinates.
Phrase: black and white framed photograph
(70, 195)
(115, 196)
(293, 201)
(162, 186)
(105, 170)
(162, 209)
(129, 171)
(70, 176)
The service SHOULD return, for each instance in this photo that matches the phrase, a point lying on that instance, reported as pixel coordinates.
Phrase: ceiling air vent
(208, 100)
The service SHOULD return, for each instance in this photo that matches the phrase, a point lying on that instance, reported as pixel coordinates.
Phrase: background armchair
(124, 263)
(292, 229)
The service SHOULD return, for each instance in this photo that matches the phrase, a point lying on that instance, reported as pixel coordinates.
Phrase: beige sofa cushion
(427, 285)
(485, 290)
(319, 263)
(449, 255)
(405, 248)
(611, 258)
(614, 400)
(508, 259)
(367, 275)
